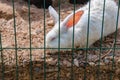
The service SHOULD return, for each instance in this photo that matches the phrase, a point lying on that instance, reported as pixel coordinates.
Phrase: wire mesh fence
(29, 60)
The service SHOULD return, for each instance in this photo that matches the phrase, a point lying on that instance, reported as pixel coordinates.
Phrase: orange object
(76, 18)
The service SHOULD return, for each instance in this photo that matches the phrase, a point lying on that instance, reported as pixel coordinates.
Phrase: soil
(17, 59)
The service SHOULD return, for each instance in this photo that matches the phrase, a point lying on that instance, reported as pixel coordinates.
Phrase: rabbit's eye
(52, 38)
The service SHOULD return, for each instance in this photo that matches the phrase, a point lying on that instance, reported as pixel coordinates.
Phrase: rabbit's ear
(73, 19)
(53, 13)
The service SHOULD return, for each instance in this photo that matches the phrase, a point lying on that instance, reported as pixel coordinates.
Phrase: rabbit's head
(61, 34)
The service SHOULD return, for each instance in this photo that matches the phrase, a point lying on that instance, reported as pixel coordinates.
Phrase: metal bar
(72, 62)
(114, 48)
(103, 48)
(1, 58)
(58, 76)
(31, 74)
(44, 43)
(98, 71)
(15, 36)
(85, 74)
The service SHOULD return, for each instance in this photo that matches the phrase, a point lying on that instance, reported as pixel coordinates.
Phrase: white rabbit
(81, 25)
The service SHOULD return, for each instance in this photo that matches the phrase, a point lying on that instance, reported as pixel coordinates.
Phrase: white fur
(80, 29)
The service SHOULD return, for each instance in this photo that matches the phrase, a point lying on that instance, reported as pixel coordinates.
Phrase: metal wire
(87, 44)
(15, 40)
(115, 40)
(98, 71)
(1, 57)
(58, 76)
(72, 61)
(31, 75)
(103, 48)
(44, 43)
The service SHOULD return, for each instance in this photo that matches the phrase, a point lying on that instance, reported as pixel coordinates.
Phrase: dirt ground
(19, 45)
